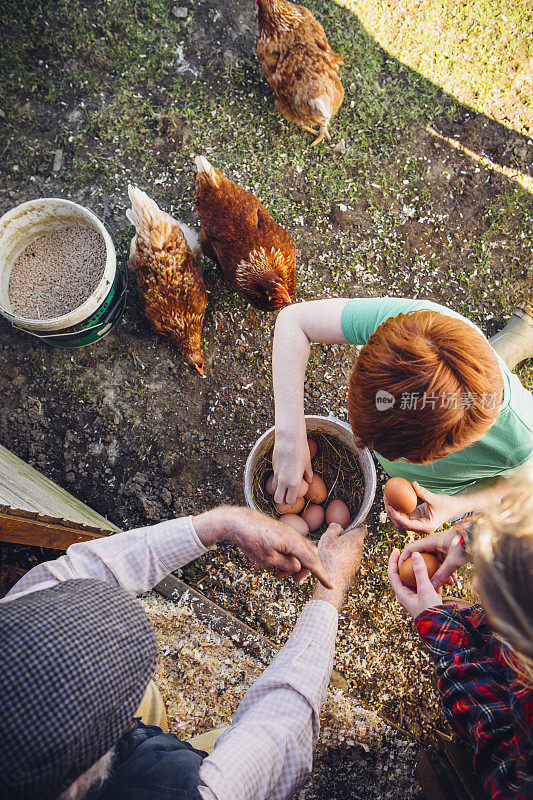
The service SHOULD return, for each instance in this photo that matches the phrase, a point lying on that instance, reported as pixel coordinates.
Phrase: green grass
(476, 50)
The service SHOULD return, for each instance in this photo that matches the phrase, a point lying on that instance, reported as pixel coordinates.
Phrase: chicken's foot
(323, 133)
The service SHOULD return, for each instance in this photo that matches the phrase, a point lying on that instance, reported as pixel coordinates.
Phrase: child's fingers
(421, 572)
(399, 588)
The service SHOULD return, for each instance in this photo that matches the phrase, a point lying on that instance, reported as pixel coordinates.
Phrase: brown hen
(256, 255)
(299, 65)
(171, 288)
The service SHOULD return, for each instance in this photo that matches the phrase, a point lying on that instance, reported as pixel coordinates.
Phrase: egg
(317, 491)
(285, 508)
(304, 486)
(269, 484)
(314, 516)
(313, 447)
(407, 574)
(337, 511)
(296, 522)
(401, 495)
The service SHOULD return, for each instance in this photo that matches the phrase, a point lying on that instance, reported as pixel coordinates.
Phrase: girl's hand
(444, 544)
(291, 461)
(430, 515)
(413, 601)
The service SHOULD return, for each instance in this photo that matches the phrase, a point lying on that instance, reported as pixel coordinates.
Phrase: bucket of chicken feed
(58, 273)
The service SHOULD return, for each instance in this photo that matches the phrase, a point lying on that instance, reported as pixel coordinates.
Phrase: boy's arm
(476, 696)
(296, 327)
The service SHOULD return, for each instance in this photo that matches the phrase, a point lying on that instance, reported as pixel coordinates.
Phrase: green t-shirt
(507, 444)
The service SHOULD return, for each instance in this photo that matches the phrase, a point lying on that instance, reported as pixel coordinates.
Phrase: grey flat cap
(75, 661)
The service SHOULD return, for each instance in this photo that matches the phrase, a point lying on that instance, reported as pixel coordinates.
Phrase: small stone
(58, 160)
(75, 115)
(180, 12)
(340, 147)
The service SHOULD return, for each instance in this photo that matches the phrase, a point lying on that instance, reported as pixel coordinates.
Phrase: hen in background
(299, 65)
(256, 255)
(171, 288)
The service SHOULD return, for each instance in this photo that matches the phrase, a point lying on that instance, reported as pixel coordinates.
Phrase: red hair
(440, 383)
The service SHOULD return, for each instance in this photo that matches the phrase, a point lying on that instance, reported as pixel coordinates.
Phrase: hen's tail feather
(151, 224)
(204, 168)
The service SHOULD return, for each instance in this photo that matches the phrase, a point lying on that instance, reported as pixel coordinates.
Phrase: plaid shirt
(483, 698)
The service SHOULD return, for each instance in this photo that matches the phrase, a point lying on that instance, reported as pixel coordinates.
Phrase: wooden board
(23, 488)
(24, 527)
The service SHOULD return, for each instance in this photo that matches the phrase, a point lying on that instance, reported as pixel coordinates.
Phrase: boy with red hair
(428, 393)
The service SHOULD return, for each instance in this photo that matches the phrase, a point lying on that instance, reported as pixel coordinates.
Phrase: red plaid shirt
(483, 698)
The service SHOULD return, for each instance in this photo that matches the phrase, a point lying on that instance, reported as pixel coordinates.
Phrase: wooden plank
(25, 528)
(461, 761)
(22, 487)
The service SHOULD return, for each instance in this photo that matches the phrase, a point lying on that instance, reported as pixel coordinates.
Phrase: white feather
(203, 165)
(154, 226)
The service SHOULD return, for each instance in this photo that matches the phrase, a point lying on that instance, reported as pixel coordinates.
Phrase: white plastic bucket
(100, 312)
(330, 426)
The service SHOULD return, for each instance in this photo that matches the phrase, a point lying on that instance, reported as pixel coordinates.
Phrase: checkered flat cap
(75, 661)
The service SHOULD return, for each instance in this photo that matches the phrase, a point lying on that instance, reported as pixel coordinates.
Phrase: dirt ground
(391, 206)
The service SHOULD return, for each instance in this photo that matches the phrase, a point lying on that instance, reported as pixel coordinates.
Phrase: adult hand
(444, 544)
(291, 461)
(430, 515)
(414, 601)
(262, 539)
(341, 555)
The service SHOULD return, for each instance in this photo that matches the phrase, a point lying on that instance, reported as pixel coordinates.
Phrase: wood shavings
(203, 677)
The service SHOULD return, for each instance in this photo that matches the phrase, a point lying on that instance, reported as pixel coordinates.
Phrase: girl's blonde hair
(502, 552)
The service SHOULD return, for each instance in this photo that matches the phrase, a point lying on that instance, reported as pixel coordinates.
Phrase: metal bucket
(331, 426)
(100, 312)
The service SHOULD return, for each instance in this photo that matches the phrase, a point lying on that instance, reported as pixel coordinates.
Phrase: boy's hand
(427, 517)
(413, 601)
(291, 461)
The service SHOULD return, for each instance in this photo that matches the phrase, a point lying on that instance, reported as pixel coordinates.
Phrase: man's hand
(341, 555)
(413, 601)
(430, 515)
(262, 539)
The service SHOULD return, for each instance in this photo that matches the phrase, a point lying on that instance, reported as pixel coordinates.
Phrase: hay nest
(337, 465)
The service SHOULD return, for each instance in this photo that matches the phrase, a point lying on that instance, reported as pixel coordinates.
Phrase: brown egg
(314, 516)
(285, 508)
(337, 511)
(296, 522)
(313, 447)
(317, 491)
(407, 574)
(304, 486)
(269, 483)
(401, 495)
